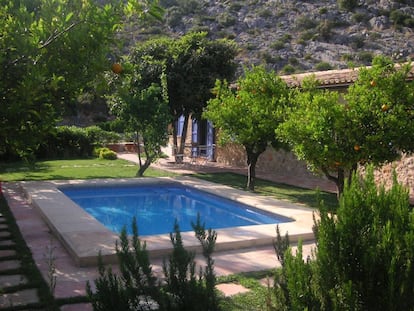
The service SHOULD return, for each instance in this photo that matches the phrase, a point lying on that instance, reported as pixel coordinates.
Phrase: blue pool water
(156, 207)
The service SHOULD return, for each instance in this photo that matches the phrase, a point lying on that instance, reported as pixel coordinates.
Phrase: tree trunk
(252, 157)
(184, 134)
(175, 141)
(178, 149)
(339, 180)
(146, 164)
(143, 167)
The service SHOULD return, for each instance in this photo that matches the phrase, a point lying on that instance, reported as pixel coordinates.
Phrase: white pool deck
(84, 237)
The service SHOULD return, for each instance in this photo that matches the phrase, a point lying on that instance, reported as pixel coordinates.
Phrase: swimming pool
(156, 207)
(85, 237)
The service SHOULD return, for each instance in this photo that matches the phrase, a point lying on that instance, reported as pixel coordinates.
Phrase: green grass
(73, 169)
(255, 299)
(279, 191)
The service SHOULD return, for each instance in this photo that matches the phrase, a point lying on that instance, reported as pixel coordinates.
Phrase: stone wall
(279, 162)
(286, 163)
(405, 174)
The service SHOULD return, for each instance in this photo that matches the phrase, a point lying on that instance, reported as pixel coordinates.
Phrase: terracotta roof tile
(331, 78)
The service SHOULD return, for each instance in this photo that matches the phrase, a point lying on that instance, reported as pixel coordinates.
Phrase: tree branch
(329, 176)
(56, 34)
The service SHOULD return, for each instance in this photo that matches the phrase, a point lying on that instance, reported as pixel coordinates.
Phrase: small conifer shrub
(136, 287)
(364, 255)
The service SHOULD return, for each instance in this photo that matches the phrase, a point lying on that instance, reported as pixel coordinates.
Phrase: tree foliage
(191, 63)
(144, 110)
(51, 51)
(372, 123)
(364, 255)
(249, 114)
(381, 106)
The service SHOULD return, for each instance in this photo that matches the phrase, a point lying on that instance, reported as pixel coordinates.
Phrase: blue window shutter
(180, 126)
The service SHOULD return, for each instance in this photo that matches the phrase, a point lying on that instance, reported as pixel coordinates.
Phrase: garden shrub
(100, 137)
(364, 256)
(66, 142)
(117, 126)
(187, 291)
(136, 288)
(105, 153)
(74, 142)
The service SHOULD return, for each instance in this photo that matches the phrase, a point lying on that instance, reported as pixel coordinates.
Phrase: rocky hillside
(297, 36)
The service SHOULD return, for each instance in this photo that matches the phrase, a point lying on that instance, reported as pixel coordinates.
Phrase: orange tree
(51, 51)
(373, 123)
(192, 63)
(249, 114)
(142, 106)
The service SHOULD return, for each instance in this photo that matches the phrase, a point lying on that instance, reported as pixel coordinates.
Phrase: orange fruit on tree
(357, 147)
(373, 83)
(116, 68)
(384, 107)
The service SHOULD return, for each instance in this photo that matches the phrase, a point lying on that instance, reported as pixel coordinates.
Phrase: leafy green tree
(316, 128)
(373, 123)
(381, 106)
(145, 112)
(191, 63)
(51, 51)
(249, 114)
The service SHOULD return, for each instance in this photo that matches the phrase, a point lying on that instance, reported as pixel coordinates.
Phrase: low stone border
(84, 237)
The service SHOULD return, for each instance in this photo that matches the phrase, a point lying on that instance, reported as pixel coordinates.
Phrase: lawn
(73, 169)
(279, 191)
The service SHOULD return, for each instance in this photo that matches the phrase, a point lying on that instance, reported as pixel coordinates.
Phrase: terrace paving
(71, 279)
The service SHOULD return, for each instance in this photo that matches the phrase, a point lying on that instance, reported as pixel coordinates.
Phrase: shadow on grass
(309, 197)
(24, 171)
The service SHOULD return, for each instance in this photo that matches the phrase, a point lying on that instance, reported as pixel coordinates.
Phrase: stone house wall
(285, 163)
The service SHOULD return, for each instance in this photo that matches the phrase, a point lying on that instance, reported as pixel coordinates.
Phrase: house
(201, 138)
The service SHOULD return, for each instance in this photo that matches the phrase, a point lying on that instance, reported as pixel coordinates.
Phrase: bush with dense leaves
(73, 142)
(364, 256)
(105, 153)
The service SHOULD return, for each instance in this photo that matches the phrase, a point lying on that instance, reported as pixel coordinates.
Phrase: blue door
(194, 139)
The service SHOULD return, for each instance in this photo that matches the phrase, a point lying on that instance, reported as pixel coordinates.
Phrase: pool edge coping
(84, 237)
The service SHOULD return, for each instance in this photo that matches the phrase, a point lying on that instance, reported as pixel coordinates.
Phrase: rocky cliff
(293, 36)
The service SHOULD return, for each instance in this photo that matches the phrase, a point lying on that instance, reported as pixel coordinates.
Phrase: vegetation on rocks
(338, 32)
